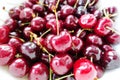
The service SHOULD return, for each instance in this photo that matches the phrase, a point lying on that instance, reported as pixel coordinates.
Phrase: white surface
(109, 75)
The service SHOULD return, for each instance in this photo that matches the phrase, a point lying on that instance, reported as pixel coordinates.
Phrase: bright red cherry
(87, 21)
(61, 63)
(101, 27)
(18, 67)
(84, 70)
(4, 34)
(38, 24)
(39, 71)
(7, 54)
(62, 42)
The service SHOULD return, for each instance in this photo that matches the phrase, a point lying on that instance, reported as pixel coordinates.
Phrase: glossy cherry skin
(61, 63)
(71, 22)
(38, 9)
(71, 2)
(98, 14)
(110, 59)
(107, 47)
(38, 24)
(34, 1)
(30, 50)
(80, 11)
(27, 4)
(39, 71)
(18, 67)
(4, 34)
(7, 54)
(87, 21)
(113, 38)
(50, 16)
(100, 71)
(100, 28)
(26, 15)
(84, 70)
(93, 51)
(62, 42)
(26, 32)
(94, 39)
(77, 43)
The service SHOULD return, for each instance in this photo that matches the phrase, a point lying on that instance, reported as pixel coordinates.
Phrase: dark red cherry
(82, 2)
(107, 47)
(16, 43)
(38, 24)
(98, 14)
(71, 2)
(61, 63)
(93, 51)
(14, 13)
(52, 24)
(77, 43)
(30, 50)
(4, 34)
(39, 71)
(110, 59)
(26, 15)
(71, 22)
(66, 10)
(84, 70)
(80, 11)
(113, 38)
(101, 27)
(27, 4)
(62, 42)
(50, 16)
(18, 67)
(87, 21)
(38, 9)
(80, 33)
(94, 39)
(100, 71)
(112, 10)
(26, 32)
(12, 24)
(7, 54)
(34, 1)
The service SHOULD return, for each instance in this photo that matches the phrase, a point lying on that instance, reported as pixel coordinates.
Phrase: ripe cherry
(39, 71)
(61, 63)
(87, 21)
(18, 67)
(107, 47)
(50, 16)
(34, 1)
(84, 70)
(7, 54)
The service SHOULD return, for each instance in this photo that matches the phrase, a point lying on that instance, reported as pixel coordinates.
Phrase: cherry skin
(30, 50)
(107, 47)
(38, 9)
(61, 63)
(98, 14)
(94, 39)
(27, 4)
(26, 32)
(80, 11)
(100, 28)
(26, 15)
(87, 21)
(7, 54)
(71, 2)
(34, 1)
(38, 24)
(18, 67)
(93, 51)
(39, 71)
(62, 42)
(84, 70)
(50, 16)
(4, 34)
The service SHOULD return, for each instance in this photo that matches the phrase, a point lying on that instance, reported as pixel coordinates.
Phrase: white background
(109, 75)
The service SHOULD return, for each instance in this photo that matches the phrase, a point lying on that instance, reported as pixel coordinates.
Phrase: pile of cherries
(59, 40)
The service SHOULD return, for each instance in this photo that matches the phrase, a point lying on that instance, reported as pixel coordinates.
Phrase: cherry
(100, 71)
(7, 54)
(38, 9)
(84, 70)
(94, 39)
(113, 38)
(77, 43)
(34, 1)
(62, 42)
(38, 24)
(71, 2)
(61, 63)
(18, 67)
(16, 43)
(71, 22)
(80, 11)
(26, 32)
(38, 71)
(50, 16)
(30, 50)
(11, 23)
(66, 10)
(110, 59)
(82, 2)
(112, 10)
(27, 4)
(14, 13)
(26, 15)
(81, 33)
(98, 14)
(87, 21)
(106, 47)
(91, 9)
(101, 27)
(4, 34)
(45, 58)
(93, 51)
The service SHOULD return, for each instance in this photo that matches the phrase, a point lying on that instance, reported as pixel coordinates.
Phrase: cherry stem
(18, 55)
(65, 76)
(86, 4)
(23, 24)
(76, 4)
(90, 4)
(45, 33)
(71, 31)
(91, 58)
(50, 70)
(113, 30)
